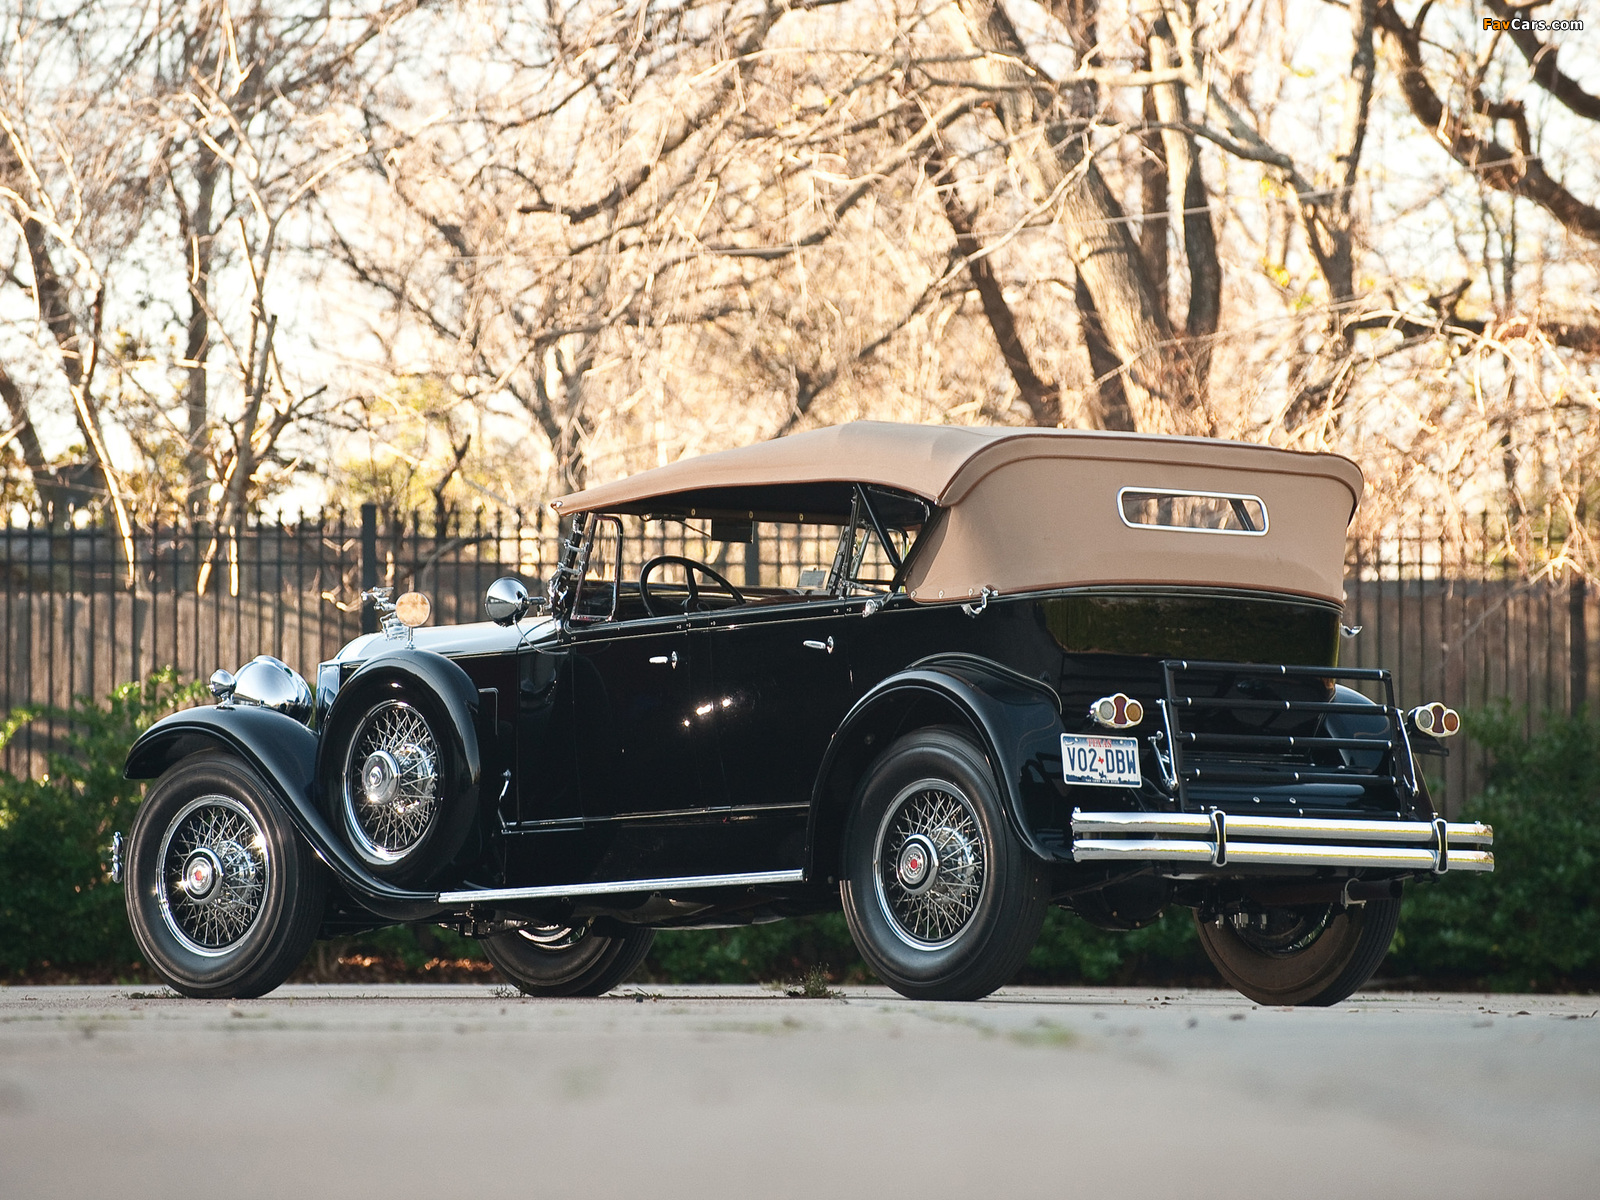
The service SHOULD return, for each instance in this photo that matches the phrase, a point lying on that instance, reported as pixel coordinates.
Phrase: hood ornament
(401, 615)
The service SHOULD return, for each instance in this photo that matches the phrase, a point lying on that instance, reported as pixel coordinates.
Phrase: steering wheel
(690, 566)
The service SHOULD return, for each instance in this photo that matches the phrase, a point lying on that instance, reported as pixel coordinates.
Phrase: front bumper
(1218, 840)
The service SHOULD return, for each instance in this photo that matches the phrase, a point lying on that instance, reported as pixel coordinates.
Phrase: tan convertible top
(1039, 508)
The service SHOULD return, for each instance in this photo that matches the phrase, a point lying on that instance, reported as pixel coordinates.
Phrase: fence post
(1578, 640)
(369, 564)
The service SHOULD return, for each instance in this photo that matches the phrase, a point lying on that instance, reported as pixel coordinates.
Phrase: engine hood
(455, 641)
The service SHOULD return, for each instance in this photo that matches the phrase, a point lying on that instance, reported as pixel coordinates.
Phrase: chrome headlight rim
(266, 682)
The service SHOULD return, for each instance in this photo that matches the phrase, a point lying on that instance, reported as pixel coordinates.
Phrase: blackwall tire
(394, 783)
(223, 894)
(1337, 953)
(942, 898)
(558, 961)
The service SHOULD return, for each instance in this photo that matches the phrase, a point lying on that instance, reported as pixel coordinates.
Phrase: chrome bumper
(1218, 839)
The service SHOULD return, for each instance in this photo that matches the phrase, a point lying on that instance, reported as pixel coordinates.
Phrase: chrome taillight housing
(1116, 711)
(1435, 720)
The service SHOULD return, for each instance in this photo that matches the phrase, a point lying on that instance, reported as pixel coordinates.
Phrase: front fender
(435, 673)
(1017, 720)
(283, 753)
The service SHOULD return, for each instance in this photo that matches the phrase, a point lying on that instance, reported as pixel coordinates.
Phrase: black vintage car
(964, 674)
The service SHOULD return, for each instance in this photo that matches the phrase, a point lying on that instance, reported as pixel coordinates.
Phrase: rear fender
(1016, 720)
(283, 753)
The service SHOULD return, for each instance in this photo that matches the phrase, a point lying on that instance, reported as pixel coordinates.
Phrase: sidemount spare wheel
(943, 899)
(394, 778)
(562, 960)
(223, 895)
(1316, 955)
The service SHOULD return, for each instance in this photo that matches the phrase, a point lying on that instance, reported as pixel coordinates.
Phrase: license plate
(1100, 761)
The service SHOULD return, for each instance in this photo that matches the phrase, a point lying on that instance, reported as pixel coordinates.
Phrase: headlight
(268, 682)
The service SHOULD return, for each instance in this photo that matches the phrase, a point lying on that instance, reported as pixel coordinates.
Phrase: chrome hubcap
(212, 881)
(931, 864)
(380, 778)
(554, 937)
(919, 865)
(1280, 932)
(200, 876)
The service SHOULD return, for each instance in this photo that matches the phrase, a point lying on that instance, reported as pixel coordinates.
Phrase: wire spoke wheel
(931, 863)
(1280, 932)
(567, 960)
(942, 898)
(1315, 956)
(554, 938)
(212, 880)
(391, 782)
(224, 896)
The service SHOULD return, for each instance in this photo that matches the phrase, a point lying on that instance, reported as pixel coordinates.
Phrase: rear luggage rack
(1234, 765)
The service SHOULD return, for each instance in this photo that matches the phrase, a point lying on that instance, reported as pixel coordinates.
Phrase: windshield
(644, 566)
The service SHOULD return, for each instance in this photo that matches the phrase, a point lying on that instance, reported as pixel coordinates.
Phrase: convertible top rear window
(1201, 512)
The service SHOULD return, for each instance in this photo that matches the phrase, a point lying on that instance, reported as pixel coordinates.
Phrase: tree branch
(1542, 58)
(1514, 172)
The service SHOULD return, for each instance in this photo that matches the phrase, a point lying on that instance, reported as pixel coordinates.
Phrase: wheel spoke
(212, 875)
(936, 907)
(389, 825)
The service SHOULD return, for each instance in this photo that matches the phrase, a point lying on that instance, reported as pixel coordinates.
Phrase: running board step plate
(681, 883)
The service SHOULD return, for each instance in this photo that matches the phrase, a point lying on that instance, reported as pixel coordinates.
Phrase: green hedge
(58, 906)
(1533, 924)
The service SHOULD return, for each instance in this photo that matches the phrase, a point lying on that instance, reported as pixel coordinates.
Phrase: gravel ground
(447, 1091)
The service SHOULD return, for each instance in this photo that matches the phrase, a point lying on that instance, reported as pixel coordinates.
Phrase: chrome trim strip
(565, 824)
(1276, 854)
(1465, 833)
(618, 887)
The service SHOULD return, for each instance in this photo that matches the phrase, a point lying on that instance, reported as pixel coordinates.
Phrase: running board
(619, 887)
(1218, 839)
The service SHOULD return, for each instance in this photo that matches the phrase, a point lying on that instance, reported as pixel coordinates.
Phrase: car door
(645, 735)
(781, 685)
(635, 716)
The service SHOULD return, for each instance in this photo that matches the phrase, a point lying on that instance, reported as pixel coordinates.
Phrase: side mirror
(507, 601)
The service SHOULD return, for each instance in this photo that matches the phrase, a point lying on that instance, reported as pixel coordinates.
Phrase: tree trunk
(1110, 398)
(1153, 186)
(1187, 197)
(51, 494)
(1330, 230)
(1052, 150)
(201, 236)
(1042, 399)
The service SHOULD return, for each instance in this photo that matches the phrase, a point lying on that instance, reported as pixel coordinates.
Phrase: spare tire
(395, 781)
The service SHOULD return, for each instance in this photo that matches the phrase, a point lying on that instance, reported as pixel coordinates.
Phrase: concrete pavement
(395, 1091)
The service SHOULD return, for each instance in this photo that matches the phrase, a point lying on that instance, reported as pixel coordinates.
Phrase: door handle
(826, 646)
(665, 660)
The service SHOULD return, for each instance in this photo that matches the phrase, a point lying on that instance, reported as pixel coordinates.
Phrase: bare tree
(523, 247)
(207, 127)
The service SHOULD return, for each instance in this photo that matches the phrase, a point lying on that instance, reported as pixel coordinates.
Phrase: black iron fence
(76, 618)
(1466, 625)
